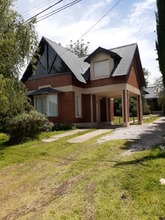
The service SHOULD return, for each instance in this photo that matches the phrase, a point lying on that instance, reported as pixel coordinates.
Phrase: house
(69, 89)
(152, 95)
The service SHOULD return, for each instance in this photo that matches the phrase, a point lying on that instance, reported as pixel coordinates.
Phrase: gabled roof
(151, 93)
(127, 53)
(103, 50)
(75, 64)
(45, 90)
(80, 66)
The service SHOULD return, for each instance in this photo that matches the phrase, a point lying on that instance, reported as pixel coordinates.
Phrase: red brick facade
(96, 105)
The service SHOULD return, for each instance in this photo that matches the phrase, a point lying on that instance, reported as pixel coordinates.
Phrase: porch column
(140, 110)
(125, 108)
(111, 108)
(91, 96)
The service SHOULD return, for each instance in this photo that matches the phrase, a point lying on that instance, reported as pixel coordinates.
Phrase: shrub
(62, 127)
(27, 125)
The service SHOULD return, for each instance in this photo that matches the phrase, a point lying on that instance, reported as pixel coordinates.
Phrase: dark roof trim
(44, 91)
(103, 50)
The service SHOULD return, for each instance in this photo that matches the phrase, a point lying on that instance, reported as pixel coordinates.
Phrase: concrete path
(143, 137)
(58, 136)
(88, 136)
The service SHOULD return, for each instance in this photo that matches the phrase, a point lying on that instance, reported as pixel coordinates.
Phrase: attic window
(101, 68)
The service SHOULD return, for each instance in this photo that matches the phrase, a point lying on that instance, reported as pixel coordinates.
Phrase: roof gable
(80, 67)
(103, 50)
(75, 64)
(127, 53)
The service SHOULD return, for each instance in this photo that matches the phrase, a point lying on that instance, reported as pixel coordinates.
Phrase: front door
(103, 110)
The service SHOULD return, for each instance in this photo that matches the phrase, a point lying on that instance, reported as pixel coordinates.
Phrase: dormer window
(102, 63)
(101, 68)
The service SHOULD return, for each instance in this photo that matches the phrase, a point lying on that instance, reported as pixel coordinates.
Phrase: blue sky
(129, 22)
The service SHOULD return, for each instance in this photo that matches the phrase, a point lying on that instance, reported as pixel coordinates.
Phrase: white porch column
(125, 108)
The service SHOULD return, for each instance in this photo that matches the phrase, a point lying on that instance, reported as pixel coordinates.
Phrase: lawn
(88, 181)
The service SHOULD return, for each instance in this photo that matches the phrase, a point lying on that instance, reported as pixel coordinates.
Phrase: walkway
(58, 136)
(89, 135)
(80, 138)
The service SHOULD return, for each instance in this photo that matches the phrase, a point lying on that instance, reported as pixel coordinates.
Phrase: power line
(100, 19)
(35, 8)
(96, 22)
(57, 10)
(43, 11)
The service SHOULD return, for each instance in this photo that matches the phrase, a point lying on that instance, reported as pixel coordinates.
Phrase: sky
(131, 21)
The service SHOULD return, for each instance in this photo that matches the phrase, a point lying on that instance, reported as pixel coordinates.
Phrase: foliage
(160, 92)
(160, 43)
(133, 106)
(13, 99)
(146, 74)
(62, 127)
(117, 107)
(27, 125)
(146, 107)
(79, 47)
(17, 40)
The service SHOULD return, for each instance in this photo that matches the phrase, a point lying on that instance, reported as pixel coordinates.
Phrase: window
(78, 105)
(101, 68)
(47, 105)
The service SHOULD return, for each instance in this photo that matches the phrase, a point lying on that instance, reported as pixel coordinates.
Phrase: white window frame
(47, 99)
(78, 105)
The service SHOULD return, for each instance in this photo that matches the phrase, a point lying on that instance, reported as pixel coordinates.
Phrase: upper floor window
(101, 68)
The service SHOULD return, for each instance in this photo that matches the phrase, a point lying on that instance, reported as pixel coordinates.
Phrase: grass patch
(134, 120)
(60, 180)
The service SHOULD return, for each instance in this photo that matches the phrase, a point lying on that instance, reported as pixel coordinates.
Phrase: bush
(62, 127)
(27, 125)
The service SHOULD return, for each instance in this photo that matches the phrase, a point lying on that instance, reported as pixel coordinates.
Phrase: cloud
(129, 22)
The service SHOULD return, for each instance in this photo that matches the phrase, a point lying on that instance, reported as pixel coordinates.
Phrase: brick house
(76, 90)
(152, 95)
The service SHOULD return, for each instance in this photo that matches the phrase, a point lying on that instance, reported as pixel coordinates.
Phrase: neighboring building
(76, 90)
(152, 96)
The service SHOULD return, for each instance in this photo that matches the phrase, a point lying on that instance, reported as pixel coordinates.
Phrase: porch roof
(44, 91)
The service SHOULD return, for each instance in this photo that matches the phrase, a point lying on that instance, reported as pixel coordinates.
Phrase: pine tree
(160, 43)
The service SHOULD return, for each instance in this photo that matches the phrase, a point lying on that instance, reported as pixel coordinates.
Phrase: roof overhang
(45, 91)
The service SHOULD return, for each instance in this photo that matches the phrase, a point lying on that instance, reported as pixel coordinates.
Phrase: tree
(159, 87)
(160, 43)
(146, 75)
(13, 98)
(79, 47)
(18, 40)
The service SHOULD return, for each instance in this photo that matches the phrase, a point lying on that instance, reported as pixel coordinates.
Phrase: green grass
(87, 181)
(146, 119)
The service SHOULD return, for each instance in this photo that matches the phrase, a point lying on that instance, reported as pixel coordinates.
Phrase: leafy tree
(160, 43)
(17, 40)
(160, 92)
(13, 99)
(79, 47)
(146, 75)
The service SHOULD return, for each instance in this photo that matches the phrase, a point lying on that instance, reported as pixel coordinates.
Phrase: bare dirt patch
(89, 201)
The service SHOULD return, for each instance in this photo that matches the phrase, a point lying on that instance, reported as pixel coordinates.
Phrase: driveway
(143, 136)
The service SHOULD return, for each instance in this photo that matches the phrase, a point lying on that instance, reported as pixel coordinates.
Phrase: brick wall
(54, 81)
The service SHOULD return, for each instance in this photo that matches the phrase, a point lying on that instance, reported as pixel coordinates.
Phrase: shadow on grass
(159, 155)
